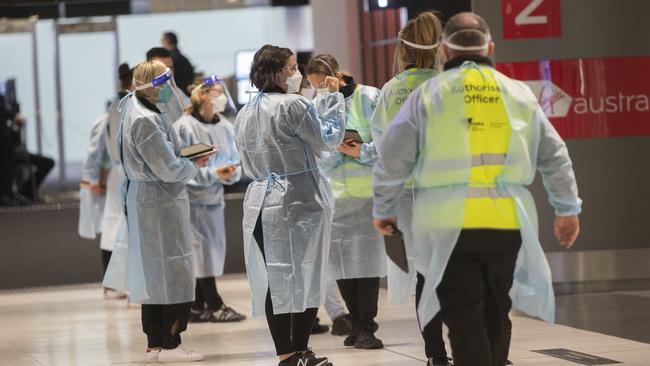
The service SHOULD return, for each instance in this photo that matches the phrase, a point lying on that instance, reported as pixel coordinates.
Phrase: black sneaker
(341, 326)
(439, 361)
(367, 340)
(200, 316)
(227, 315)
(310, 354)
(350, 340)
(319, 328)
(305, 358)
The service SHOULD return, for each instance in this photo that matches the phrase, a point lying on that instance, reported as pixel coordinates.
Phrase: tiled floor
(75, 326)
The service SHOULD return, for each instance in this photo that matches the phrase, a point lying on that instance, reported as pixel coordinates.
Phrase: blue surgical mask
(165, 94)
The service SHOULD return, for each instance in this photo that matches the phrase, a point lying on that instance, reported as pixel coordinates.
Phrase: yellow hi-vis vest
(489, 139)
(351, 178)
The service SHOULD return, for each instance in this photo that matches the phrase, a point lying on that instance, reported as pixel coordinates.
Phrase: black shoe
(440, 361)
(367, 340)
(201, 316)
(305, 358)
(341, 326)
(350, 340)
(227, 315)
(508, 362)
(319, 328)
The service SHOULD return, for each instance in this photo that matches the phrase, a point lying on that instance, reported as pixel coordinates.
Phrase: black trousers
(163, 324)
(434, 344)
(42, 166)
(106, 258)
(290, 332)
(206, 295)
(361, 296)
(474, 296)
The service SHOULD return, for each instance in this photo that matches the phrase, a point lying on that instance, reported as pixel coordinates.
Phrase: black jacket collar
(199, 117)
(274, 89)
(456, 62)
(148, 105)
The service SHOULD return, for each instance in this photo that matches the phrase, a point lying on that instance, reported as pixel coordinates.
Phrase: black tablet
(197, 150)
(396, 249)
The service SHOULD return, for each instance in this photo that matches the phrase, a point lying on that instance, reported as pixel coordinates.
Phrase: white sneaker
(179, 354)
(152, 355)
(110, 294)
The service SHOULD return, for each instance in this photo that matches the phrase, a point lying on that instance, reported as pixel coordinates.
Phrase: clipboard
(396, 249)
(197, 150)
(352, 135)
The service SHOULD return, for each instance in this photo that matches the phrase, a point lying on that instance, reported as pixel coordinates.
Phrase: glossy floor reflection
(75, 326)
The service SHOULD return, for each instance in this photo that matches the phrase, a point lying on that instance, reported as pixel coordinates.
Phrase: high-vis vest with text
(351, 178)
(488, 137)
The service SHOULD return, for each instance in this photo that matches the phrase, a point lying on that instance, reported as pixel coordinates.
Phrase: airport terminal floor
(74, 325)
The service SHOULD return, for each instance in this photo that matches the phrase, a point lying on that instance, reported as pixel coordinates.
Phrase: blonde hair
(426, 29)
(197, 93)
(145, 72)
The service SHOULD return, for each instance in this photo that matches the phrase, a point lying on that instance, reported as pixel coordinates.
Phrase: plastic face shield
(212, 80)
(402, 42)
(157, 82)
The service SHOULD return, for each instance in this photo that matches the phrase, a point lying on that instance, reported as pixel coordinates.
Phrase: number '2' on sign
(531, 19)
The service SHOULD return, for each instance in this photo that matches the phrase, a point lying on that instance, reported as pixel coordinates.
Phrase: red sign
(531, 18)
(587, 98)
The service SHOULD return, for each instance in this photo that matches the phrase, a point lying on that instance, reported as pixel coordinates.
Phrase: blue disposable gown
(91, 207)
(113, 222)
(160, 255)
(401, 285)
(442, 181)
(206, 195)
(280, 138)
(357, 249)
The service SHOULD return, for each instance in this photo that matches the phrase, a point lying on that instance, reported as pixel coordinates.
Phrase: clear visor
(212, 80)
(472, 40)
(165, 77)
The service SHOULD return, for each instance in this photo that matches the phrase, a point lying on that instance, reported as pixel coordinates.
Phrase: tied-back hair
(425, 29)
(125, 74)
(267, 63)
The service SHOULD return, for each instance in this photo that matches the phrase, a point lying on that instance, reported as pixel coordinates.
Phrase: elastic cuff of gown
(572, 212)
(381, 216)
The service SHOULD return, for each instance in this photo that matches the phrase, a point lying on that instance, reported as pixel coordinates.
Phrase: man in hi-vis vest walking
(473, 139)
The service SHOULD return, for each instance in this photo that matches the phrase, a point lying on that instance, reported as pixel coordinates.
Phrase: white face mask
(219, 103)
(293, 82)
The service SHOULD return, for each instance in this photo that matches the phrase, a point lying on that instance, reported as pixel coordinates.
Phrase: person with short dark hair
(183, 69)
(288, 207)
